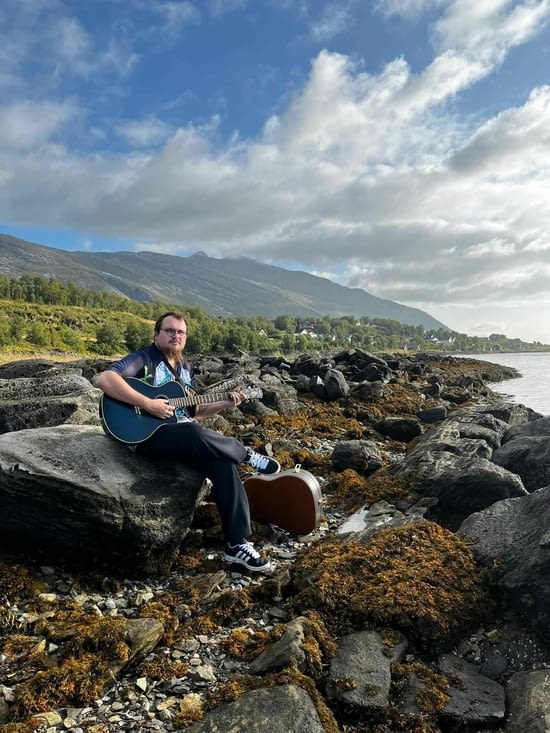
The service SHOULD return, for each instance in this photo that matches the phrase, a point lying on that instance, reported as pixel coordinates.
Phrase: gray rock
(370, 391)
(361, 455)
(282, 398)
(142, 636)
(287, 649)
(513, 534)
(432, 414)
(480, 432)
(462, 439)
(373, 373)
(539, 427)
(459, 446)
(308, 364)
(528, 702)
(408, 695)
(35, 368)
(70, 491)
(525, 450)
(404, 429)
(462, 485)
(53, 399)
(368, 521)
(508, 412)
(363, 662)
(475, 700)
(335, 385)
(267, 710)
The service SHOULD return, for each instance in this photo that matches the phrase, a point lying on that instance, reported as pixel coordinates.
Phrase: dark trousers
(214, 455)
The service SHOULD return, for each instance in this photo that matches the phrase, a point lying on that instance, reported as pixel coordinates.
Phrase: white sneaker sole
(267, 568)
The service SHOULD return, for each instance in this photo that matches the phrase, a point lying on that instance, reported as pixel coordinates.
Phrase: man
(187, 440)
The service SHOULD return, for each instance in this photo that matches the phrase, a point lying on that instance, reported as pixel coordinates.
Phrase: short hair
(160, 319)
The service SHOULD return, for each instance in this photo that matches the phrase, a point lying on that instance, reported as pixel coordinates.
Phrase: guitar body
(290, 499)
(127, 424)
(130, 425)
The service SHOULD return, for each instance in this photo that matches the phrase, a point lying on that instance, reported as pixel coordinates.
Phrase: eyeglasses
(172, 331)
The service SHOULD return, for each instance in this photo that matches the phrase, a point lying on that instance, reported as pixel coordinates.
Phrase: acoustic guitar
(289, 499)
(131, 425)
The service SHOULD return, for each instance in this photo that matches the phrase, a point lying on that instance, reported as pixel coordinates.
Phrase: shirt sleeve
(132, 365)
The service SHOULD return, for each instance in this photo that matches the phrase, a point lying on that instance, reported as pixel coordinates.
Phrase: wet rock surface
(419, 604)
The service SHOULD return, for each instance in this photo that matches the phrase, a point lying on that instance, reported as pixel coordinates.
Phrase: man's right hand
(160, 408)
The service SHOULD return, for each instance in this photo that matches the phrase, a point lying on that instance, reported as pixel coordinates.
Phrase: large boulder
(462, 485)
(525, 450)
(454, 461)
(69, 491)
(513, 535)
(51, 399)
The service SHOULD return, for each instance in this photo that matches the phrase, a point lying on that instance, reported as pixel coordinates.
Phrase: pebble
(139, 703)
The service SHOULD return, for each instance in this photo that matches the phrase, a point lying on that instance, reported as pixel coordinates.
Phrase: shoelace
(249, 549)
(257, 460)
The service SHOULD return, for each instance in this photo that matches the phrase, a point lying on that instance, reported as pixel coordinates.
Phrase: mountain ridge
(222, 287)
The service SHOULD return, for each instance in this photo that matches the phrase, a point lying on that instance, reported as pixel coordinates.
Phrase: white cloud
(144, 133)
(496, 246)
(513, 143)
(368, 175)
(176, 14)
(26, 124)
(407, 8)
(488, 30)
(334, 18)
(47, 32)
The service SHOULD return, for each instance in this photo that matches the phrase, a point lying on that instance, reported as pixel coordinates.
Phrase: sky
(399, 146)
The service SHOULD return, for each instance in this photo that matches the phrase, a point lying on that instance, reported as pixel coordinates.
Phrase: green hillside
(45, 316)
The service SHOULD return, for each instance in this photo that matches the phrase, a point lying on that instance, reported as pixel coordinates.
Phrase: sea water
(533, 387)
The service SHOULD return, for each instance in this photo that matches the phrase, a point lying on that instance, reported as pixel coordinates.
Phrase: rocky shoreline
(419, 604)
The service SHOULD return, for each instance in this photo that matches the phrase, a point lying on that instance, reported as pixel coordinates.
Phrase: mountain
(221, 287)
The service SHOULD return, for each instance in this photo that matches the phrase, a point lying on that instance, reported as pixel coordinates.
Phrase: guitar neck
(199, 399)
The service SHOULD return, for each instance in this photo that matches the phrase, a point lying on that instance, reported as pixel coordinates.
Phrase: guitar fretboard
(199, 399)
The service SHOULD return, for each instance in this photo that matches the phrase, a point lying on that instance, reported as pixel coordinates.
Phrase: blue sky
(400, 146)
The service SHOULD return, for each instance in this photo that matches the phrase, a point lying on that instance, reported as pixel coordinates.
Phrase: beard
(172, 352)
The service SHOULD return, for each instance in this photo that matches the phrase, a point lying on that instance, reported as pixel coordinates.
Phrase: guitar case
(290, 499)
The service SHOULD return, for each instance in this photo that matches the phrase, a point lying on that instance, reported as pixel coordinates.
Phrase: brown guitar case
(290, 499)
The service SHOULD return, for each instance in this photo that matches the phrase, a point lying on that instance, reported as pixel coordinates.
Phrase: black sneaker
(262, 464)
(245, 554)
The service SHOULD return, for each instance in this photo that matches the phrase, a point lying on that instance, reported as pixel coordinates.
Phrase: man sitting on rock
(212, 453)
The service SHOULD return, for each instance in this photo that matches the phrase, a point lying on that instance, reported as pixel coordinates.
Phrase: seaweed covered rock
(270, 710)
(420, 580)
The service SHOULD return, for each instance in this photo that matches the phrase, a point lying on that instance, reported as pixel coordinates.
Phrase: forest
(40, 314)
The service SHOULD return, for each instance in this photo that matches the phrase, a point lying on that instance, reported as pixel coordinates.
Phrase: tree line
(43, 313)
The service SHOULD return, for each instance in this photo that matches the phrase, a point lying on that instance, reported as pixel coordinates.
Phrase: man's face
(172, 335)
